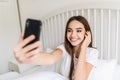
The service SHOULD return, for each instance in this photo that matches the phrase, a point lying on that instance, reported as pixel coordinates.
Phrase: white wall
(9, 32)
(39, 8)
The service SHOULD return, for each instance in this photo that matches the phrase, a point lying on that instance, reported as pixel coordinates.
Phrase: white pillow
(103, 71)
(44, 75)
(14, 65)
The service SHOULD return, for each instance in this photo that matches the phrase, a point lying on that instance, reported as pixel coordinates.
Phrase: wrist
(83, 47)
(82, 61)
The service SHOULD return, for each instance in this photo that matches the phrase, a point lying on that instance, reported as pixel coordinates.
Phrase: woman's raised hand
(87, 40)
(24, 53)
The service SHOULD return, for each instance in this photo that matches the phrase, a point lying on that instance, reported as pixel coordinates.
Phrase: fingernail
(32, 36)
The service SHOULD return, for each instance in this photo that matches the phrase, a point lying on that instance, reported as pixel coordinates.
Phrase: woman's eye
(79, 30)
(69, 30)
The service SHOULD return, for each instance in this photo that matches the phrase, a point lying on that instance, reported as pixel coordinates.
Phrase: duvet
(43, 75)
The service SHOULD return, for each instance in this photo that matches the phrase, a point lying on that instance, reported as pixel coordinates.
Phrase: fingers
(33, 52)
(22, 43)
(31, 47)
(88, 34)
(21, 37)
(22, 53)
(87, 39)
(26, 41)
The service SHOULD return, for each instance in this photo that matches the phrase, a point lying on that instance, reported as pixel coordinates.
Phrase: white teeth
(73, 40)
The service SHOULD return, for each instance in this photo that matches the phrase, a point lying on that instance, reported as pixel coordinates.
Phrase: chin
(74, 45)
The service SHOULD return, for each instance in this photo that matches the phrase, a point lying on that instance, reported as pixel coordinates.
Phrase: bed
(104, 21)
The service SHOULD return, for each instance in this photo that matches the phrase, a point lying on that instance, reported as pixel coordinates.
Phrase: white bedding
(9, 76)
(15, 75)
(104, 71)
(43, 75)
(116, 75)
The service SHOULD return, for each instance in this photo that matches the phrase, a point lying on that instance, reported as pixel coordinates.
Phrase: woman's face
(75, 33)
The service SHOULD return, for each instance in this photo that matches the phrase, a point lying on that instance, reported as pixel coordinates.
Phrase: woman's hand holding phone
(29, 44)
(24, 54)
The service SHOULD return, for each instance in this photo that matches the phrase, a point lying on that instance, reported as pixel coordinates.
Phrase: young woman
(77, 54)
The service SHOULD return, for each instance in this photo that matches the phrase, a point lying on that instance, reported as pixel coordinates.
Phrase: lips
(73, 40)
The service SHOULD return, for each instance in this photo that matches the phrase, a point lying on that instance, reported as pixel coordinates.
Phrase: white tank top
(91, 57)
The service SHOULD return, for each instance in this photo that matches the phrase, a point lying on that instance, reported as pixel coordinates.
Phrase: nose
(73, 34)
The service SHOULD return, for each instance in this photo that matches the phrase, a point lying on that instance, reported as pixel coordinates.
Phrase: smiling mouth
(74, 40)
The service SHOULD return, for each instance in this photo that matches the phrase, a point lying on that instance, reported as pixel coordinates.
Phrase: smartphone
(32, 27)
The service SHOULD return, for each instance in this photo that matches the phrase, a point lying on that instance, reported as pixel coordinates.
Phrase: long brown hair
(68, 45)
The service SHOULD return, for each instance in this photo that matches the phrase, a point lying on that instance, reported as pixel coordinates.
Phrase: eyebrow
(76, 28)
(79, 28)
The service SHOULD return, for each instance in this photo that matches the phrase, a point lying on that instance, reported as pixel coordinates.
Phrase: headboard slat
(101, 12)
(118, 20)
(94, 29)
(109, 21)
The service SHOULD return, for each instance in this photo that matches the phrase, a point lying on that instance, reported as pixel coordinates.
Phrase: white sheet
(116, 75)
(9, 76)
(43, 75)
(14, 75)
(37, 73)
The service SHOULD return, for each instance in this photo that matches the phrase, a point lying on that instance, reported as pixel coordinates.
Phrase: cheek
(82, 36)
(67, 35)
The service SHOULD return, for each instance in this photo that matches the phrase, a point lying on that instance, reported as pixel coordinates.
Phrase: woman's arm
(83, 68)
(31, 54)
(45, 58)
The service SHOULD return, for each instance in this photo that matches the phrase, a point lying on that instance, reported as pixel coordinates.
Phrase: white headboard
(104, 21)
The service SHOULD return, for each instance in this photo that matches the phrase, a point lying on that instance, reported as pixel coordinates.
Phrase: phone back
(33, 27)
